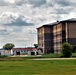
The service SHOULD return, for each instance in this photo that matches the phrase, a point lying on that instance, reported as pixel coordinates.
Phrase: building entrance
(17, 53)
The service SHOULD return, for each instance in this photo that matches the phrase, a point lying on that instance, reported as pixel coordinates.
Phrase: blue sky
(20, 18)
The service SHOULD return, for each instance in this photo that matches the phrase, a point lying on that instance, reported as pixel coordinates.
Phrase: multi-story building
(51, 36)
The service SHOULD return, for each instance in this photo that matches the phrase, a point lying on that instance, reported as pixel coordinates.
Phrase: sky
(20, 18)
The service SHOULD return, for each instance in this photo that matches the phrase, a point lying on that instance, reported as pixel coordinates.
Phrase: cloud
(37, 3)
(19, 22)
(3, 3)
(22, 39)
(62, 2)
(15, 19)
(12, 2)
(6, 2)
(20, 2)
(30, 31)
(5, 31)
(61, 11)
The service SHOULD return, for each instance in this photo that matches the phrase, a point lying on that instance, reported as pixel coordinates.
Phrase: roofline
(55, 23)
(47, 25)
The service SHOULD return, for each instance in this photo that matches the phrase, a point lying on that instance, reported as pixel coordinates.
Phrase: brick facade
(51, 36)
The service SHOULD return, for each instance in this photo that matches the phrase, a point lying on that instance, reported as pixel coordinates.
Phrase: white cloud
(10, 1)
(5, 30)
(14, 19)
(22, 2)
(30, 31)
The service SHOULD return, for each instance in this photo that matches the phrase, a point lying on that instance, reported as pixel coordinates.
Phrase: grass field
(36, 67)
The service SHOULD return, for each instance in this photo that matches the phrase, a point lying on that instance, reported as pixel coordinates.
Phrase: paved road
(54, 58)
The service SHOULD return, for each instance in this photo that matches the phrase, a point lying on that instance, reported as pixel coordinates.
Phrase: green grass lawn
(36, 67)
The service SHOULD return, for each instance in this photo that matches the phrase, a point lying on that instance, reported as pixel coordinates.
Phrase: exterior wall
(72, 33)
(45, 39)
(41, 38)
(48, 39)
(14, 52)
(11, 52)
(34, 53)
(5, 52)
(57, 37)
(20, 52)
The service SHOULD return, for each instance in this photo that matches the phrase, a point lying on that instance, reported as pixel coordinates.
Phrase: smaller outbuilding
(28, 51)
(5, 52)
(21, 51)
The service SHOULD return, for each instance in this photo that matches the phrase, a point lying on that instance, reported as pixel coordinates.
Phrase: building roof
(24, 49)
(55, 23)
(69, 20)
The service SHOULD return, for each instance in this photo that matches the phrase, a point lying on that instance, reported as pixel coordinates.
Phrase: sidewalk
(54, 58)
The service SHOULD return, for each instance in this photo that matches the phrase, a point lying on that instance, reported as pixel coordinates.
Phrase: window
(21, 51)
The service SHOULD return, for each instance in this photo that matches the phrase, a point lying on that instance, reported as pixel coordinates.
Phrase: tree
(66, 49)
(8, 46)
(36, 45)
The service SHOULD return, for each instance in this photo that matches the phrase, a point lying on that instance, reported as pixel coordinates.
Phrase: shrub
(66, 50)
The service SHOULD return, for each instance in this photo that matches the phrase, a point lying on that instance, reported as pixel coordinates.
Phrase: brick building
(51, 36)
